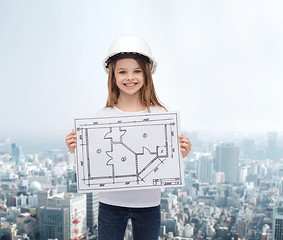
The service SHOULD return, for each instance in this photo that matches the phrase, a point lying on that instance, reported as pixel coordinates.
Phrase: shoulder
(157, 109)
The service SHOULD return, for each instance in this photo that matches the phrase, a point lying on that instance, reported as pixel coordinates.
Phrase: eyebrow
(126, 68)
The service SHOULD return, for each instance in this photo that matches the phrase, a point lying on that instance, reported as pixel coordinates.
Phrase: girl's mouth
(130, 84)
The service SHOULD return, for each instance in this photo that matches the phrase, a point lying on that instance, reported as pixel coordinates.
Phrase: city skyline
(40, 144)
(39, 197)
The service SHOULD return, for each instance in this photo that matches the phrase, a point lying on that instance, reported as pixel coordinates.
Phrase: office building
(92, 211)
(242, 227)
(91, 201)
(43, 195)
(277, 224)
(71, 178)
(54, 223)
(218, 177)
(271, 148)
(205, 169)
(76, 205)
(15, 153)
(227, 161)
(243, 173)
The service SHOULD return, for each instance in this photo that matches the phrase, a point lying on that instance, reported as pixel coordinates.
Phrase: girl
(130, 90)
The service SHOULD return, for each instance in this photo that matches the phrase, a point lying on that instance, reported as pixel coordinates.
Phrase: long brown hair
(148, 96)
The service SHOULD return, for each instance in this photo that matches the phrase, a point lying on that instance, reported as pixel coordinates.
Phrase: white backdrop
(220, 62)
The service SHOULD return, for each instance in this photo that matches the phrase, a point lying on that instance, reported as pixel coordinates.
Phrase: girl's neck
(130, 104)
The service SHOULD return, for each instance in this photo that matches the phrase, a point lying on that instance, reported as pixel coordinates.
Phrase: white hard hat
(129, 46)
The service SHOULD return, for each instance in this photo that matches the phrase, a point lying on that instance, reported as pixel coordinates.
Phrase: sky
(219, 62)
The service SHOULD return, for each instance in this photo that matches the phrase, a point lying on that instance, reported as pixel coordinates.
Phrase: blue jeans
(112, 222)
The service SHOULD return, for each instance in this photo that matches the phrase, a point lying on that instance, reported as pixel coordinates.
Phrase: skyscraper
(227, 161)
(242, 227)
(91, 200)
(76, 205)
(271, 150)
(277, 225)
(15, 153)
(71, 178)
(92, 210)
(43, 195)
(205, 169)
(54, 223)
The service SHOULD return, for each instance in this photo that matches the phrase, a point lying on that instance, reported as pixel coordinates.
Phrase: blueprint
(128, 152)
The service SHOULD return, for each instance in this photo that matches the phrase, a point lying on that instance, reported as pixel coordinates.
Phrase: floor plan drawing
(131, 151)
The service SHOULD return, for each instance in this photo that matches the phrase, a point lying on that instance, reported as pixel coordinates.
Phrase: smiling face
(129, 77)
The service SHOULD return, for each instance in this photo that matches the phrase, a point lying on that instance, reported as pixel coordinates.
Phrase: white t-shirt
(129, 198)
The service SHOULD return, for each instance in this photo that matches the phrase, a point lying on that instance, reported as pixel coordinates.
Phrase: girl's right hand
(71, 141)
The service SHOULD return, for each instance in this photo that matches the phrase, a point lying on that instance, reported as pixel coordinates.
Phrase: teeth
(130, 84)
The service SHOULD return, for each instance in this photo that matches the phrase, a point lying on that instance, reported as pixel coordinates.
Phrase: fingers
(184, 139)
(185, 146)
(71, 136)
(71, 141)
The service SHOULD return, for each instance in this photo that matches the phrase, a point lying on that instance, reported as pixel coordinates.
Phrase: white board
(128, 152)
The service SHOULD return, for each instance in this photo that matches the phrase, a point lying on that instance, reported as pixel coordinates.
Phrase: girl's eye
(122, 72)
(137, 71)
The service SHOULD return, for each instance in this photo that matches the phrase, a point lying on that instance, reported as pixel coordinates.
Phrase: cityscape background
(233, 190)
(219, 65)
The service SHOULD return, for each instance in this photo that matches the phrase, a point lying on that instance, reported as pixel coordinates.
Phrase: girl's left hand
(185, 145)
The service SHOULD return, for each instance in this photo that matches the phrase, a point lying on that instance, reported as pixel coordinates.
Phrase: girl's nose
(130, 77)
